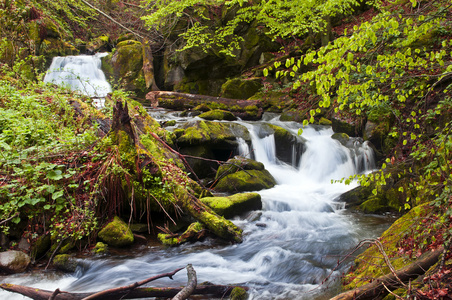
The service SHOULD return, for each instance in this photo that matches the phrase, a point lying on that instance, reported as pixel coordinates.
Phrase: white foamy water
(289, 247)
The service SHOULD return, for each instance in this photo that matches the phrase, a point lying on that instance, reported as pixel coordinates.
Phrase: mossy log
(144, 167)
(244, 109)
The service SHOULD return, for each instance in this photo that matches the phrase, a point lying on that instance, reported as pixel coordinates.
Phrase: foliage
(40, 138)
(396, 65)
(216, 24)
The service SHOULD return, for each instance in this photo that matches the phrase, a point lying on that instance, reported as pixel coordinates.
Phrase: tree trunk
(137, 158)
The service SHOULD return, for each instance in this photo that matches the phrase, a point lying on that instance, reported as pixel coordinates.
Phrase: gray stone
(14, 261)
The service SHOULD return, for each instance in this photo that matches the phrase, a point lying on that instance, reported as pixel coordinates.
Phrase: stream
(289, 247)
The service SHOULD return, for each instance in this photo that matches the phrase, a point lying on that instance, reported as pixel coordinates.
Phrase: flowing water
(289, 247)
(80, 73)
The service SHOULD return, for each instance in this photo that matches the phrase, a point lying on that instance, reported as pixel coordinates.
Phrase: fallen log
(132, 291)
(244, 109)
(380, 286)
(214, 291)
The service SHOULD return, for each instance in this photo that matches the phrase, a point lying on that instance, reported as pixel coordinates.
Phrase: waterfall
(289, 247)
(79, 73)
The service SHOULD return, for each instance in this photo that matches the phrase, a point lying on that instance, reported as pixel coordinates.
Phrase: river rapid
(289, 248)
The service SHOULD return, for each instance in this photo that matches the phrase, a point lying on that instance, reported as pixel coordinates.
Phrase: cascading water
(80, 73)
(289, 247)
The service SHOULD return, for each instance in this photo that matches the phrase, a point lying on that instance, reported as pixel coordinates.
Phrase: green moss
(220, 226)
(371, 264)
(238, 88)
(65, 262)
(236, 164)
(237, 204)
(191, 233)
(116, 233)
(343, 138)
(238, 293)
(248, 180)
(100, 248)
(325, 121)
(218, 114)
(40, 246)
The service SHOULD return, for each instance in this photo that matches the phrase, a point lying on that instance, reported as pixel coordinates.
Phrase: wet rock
(13, 261)
(234, 205)
(196, 231)
(116, 233)
(238, 293)
(65, 263)
(100, 248)
(241, 175)
(238, 88)
(218, 114)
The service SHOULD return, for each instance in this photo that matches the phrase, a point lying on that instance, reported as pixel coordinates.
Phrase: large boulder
(290, 146)
(124, 66)
(116, 233)
(238, 88)
(218, 114)
(242, 175)
(13, 261)
(65, 263)
(234, 205)
(210, 140)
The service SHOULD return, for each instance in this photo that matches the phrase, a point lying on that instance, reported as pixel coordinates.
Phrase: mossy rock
(218, 114)
(100, 44)
(100, 248)
(371, 264)
(347, 127)
(293, 115)
(65, 262)
(234, 205)
(139, 227)
(125, 66)
(238, 293)
(238, 88)
(40, 246)
(247, 180)
(212, 133)
(325, 122)
(343, 138)
(287, 143)
(116, 233)
(236, 164)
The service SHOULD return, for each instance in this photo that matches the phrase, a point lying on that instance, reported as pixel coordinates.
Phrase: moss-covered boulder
(218, 114)
(242, 175)
(234, 205)
(348, 127)
(214, 141)
(124, 66)
(236, 164)
(293, 115)
(238, 88)
(13, 262)
(290, 146)
(379, 123)
(372, 264)
(65, 263)
(242, 181)
(116, 233)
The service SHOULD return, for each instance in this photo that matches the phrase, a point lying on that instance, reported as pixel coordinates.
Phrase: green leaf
(265, 72)
(55, 175)
(57, 194)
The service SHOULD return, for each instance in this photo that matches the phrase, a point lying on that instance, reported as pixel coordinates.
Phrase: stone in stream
(13, 262)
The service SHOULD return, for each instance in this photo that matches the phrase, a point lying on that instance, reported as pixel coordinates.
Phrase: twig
(130, 287)
(191, 285)
(10, 218)
(54, 294)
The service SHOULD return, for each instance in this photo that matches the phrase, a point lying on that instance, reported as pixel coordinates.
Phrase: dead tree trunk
(138, 158)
